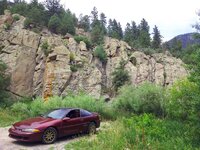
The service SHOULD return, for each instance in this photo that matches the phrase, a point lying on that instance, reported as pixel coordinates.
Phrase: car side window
(74, 113)
(85, 113)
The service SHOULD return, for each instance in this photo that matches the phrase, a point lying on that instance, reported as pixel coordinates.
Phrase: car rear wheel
(92, 128)
(49, 136)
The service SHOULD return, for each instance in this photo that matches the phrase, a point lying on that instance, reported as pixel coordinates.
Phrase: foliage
(84, 22)
(100, 53)
(45, 48)
(54, 24)
(131, 34)
(120, 75)
(53, 7)
(115, 29)
(27, 23)
(84, 39)
(195, 69)
(3, 6)
(5, 100)
(20, 8)
(67, 23)
(146, 98)
(97, 34)
(16, 17)
(182, 100)
(39, 106)
(139, 132)
(144, 36)
(156, 38)
(7, 26)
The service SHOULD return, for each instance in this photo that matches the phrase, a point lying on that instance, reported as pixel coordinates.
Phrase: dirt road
(7, 143)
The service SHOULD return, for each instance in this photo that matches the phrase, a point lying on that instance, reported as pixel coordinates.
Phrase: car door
(73, 123)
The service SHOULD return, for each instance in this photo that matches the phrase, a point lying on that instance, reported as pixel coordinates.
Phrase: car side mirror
(66, 119)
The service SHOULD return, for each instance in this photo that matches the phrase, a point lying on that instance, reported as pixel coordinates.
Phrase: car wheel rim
(49, 136)
(92, 129)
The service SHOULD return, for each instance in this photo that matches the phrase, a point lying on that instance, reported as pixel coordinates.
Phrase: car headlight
(31, 130)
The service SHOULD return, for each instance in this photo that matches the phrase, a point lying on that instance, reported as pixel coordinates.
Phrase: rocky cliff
(34, 73)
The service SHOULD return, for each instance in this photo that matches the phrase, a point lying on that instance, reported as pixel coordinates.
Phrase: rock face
(65, 65)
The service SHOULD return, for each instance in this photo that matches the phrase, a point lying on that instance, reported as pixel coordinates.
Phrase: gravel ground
(7, 143)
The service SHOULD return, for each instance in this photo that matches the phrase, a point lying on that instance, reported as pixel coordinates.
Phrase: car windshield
(56, 114)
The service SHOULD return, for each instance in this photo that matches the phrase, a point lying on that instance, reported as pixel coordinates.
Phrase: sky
(173, 17)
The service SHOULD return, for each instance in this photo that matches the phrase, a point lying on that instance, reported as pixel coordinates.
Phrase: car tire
(49, 136)
(91, 128)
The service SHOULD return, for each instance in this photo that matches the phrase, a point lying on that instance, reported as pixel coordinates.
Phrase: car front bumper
(24, 136)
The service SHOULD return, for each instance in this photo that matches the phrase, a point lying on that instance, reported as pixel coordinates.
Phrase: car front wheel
(92, 128)
(49, 136)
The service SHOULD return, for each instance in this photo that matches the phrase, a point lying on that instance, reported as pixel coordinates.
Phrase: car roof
(68, 109)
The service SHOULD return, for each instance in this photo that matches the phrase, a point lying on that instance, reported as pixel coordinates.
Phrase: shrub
(54, 24)
(183, 100)
(16, 17)
(84, 39)
(139, 132)
(73, 68)
(100, 53)
(7, 26)
(39, 106)
(120, 75)
(27, 23)
(45, 48)
(146, 98)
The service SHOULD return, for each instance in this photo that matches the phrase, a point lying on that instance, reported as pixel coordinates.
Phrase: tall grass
(146, 98)
(39, 106)
(140, 132)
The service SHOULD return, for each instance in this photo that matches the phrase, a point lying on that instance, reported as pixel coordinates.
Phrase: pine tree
(53, 7)
(84, 22)
(156, 38)
(115, 29)
(103, 23)
(94, 16)
(144, 36)
(3, 6)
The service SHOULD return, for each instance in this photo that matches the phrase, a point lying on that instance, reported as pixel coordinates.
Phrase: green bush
(7, 26)
(45, 48)
(120, 75)
(84, 39)
(27, 23)
(146, 98)
(183, 100)
(100, 53)
(39, 106)
(16, 17)
(73, 68)
(139, 132)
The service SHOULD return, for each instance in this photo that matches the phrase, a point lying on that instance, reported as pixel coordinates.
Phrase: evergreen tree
(94, 16)
(53, 7)
(103, 22)
(20, 7)
(84, 22)
(114, 29)
(97, 31)
(67, 23)
(97, 35)
(54, 23)
(144, 36)
(131, 34)
(156, 38)
(3, 6)
(36, 13)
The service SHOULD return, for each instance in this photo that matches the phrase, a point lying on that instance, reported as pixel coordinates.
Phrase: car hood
(32, 122)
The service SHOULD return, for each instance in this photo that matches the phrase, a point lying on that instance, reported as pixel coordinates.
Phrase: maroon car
(57, 123)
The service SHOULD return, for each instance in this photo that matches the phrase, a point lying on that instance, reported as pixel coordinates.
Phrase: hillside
(186, 39)
(47, 64)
